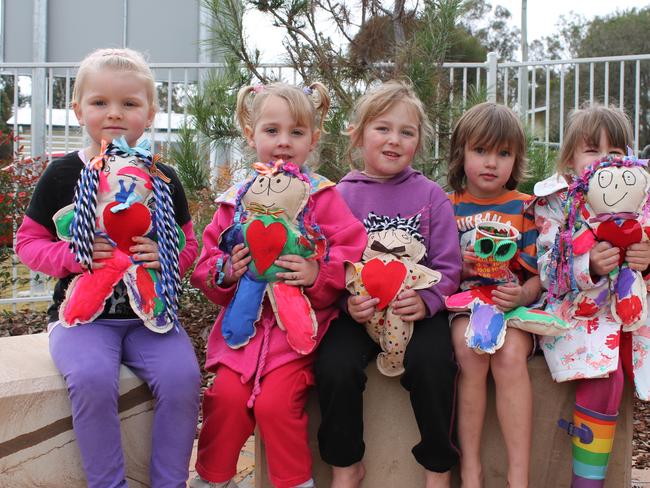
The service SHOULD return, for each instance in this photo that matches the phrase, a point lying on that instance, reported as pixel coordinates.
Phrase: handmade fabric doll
(121, 194)
(388, 267)
(495, 246)
(608, 202)
(273, 218)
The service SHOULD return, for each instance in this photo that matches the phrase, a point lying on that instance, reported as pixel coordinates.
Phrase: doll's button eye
(629, 178)
(260, 185)
(604, 178)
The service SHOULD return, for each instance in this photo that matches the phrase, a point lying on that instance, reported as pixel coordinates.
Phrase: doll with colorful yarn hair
(593, 257)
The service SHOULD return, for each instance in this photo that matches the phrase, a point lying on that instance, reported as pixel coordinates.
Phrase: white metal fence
(543, 92)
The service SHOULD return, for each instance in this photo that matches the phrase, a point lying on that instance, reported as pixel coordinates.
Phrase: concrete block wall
(37, 443)
(391, 432)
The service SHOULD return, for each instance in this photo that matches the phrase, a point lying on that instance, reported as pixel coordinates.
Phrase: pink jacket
(40, 251)
(346, 238)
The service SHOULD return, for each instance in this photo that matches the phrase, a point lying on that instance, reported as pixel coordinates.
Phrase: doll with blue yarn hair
(273, 258)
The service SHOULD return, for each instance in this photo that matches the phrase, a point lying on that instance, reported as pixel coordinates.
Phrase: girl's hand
(469, 258)
(508, 296)
(410, 306)
(146, 251)
(361, 309)
(102, 249)
(302, 272)
(603, 258)
(236, 265)
(638, 256)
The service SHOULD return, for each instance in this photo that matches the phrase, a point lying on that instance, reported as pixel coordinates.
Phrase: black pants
(430, 378)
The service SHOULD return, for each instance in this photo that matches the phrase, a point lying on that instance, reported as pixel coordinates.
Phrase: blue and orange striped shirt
(512, 208)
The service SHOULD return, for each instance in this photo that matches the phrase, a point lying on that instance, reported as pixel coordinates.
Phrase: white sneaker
(199, 482)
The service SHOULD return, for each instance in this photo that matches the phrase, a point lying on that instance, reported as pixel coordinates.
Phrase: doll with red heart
(273, 218)
(611, 196)
(123, 181)
(389, 266)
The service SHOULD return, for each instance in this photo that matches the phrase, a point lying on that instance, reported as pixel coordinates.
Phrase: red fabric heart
(127, 223)
(620, 235)
(383, 281)
(265, 243)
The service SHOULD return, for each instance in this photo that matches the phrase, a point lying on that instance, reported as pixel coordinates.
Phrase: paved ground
(245, 477)
(640, 478)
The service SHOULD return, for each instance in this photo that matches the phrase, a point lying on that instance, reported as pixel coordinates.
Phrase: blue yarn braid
(83, 221)
(165, 228)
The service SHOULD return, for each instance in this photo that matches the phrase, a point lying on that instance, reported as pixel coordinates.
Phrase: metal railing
(543, 92)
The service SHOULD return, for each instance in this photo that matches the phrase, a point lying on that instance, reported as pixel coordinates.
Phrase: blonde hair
(308, 105)
(586, 124)
(491, 126)
(379, 101)
(118, 60)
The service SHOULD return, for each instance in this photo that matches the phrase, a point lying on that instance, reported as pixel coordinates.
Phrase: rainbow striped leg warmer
(593, 436)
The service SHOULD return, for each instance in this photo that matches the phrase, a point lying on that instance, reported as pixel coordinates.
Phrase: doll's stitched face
(278, 191)
(394, 241)
(618, 189)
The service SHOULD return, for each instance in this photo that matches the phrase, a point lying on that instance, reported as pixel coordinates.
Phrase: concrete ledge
(389, 462)
(37, 444)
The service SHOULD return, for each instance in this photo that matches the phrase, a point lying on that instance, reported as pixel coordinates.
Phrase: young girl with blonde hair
(263, 379)
(388, 128)
(114, 99)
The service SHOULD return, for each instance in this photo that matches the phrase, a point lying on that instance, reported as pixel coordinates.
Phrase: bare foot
(437, 480)
(348, 477)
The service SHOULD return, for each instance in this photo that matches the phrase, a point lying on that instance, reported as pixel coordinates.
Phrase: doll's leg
(294, 315)
(472, 397)
(238, 325)
(88, 357)
(340, 367)
(594, 425)
(282, 420)
(430, 378)
(514, 400)
(394, 338)
(629, 304)
(167, 363)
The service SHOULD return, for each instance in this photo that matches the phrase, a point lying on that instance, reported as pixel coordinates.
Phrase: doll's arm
(346, 238)
(40, 251)
(213, 259)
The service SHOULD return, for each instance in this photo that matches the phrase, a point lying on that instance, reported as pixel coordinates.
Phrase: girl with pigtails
(273, 258)
(112, 223)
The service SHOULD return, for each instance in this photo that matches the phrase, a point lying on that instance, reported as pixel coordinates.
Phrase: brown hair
(587, 124)
(308, 105)
(118, 60)
(491, 126)
(377, 102)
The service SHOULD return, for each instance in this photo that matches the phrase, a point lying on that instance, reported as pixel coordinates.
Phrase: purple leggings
(89, 356)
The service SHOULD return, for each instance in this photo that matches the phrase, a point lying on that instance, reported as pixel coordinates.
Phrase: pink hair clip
(259, 88)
